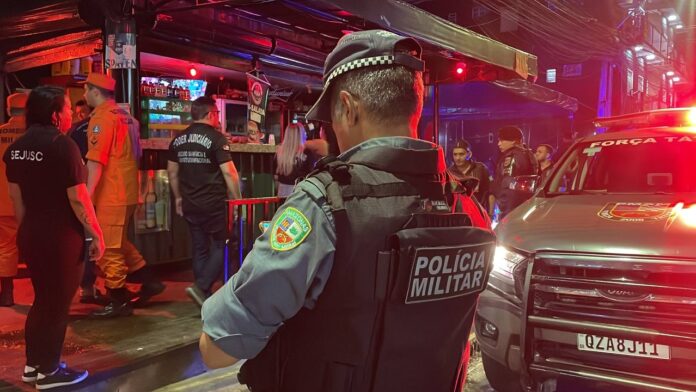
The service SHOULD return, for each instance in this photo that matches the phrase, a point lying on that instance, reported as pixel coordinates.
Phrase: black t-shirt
(199, 151)
(44, 164)
(78, 133)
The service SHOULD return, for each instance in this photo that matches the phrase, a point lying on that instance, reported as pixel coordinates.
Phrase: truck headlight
(505, 262)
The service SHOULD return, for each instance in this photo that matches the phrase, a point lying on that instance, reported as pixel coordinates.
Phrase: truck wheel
(501, 378)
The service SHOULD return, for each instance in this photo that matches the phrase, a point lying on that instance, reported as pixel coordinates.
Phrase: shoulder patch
(96, 129)
(290, 230)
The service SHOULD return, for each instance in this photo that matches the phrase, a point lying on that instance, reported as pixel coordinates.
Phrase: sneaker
(113, 310)
(196, 294)
(61, 377)
(30, 374)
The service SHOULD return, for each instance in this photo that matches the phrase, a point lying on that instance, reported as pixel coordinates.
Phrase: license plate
(633, 348)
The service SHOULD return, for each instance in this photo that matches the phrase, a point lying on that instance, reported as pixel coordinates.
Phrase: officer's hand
(96, 249)
(179, 209)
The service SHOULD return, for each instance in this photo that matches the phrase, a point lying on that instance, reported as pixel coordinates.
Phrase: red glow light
(460, 69)
(193, 72)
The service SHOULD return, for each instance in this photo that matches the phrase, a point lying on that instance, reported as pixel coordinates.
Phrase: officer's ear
(348, 104)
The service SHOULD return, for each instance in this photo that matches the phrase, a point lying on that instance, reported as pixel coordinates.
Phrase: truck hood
(663, 225)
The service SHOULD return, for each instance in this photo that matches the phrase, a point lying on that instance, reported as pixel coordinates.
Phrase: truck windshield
(663, 164)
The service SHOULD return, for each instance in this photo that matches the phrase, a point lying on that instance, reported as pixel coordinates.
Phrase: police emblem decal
(635, 212)
(289, 230)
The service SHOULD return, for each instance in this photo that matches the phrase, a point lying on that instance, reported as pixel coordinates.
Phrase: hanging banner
(120, 51)
(256, 110)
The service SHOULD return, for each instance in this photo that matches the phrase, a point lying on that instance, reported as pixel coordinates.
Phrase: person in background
(78, 133)
(203, 176)
(543, 155)
(112, 180)
(293, 162)
(465, 166)
(516, 159)
(47, 186)
(9, 132)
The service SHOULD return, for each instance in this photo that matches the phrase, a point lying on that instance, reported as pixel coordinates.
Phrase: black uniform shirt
(78, 133)
(44, 164)
(199, 151)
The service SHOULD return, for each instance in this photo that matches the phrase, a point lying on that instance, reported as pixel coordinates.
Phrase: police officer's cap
(364, 49)
(105, 82)
(17, 101)
(510, 133)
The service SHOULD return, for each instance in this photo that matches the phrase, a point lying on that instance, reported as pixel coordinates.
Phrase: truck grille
(641, 298)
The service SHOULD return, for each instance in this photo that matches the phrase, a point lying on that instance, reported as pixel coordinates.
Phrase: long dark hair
(43, 103)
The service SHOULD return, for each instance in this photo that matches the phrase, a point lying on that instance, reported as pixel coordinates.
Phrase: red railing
(243, 218)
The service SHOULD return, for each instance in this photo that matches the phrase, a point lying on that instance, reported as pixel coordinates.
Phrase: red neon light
(193, 72)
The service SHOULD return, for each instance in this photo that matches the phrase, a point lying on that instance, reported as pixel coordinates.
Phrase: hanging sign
(256, 110)
(120, 51)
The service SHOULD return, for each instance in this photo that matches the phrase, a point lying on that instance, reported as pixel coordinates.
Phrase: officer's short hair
(43, 103)
(548, 148)
(104, 92)
(201, 107)
(390, 94)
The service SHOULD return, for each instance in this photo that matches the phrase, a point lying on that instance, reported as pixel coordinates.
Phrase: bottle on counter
(150, 202)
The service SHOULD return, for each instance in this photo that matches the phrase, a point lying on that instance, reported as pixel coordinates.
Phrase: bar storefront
(166, 55)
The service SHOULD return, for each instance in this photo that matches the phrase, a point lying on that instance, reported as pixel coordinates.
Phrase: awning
(409, 20)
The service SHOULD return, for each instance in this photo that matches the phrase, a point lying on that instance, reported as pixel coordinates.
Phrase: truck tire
(499, 377)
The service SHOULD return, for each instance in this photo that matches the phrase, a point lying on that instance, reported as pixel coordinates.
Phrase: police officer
(47, 187)
(516, 160)
(9, 132)
(353, 288)
(112, 167)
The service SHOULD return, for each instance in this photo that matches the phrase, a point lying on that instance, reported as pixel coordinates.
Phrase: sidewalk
(154, 347)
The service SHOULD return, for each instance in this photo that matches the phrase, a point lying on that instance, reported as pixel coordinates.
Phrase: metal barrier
(243, 218)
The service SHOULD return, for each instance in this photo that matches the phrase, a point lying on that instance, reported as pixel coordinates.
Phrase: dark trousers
(53, 253)
(208, 237)
(89, 277)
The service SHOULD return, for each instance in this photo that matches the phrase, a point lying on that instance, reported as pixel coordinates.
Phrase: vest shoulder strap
(342, 183)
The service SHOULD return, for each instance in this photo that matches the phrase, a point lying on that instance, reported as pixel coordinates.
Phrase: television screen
(195, 86)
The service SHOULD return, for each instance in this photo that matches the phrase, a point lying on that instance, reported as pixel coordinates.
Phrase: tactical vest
(397, 309)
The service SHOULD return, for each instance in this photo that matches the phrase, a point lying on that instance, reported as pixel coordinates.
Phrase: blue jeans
(208, 237)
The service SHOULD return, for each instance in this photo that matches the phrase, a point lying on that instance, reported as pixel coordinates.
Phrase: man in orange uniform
(112, 165)
(9, 132)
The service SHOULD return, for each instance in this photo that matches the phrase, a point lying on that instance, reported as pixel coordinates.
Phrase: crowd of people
(74, 187)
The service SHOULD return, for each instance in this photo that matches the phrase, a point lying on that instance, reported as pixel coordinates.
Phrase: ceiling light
(650, 57)
(679, 26)
(672, 18)
(669, 73)
(676, 79)
(638, 48)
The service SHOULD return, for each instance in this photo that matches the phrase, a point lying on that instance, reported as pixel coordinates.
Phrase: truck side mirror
(526, 184)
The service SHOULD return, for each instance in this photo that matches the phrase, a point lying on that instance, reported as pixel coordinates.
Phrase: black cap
(364, 49)
(510, 133)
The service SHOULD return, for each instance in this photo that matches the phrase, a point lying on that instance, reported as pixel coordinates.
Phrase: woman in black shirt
(47, 185)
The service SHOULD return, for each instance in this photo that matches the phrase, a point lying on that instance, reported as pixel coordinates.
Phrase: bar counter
(171, 242)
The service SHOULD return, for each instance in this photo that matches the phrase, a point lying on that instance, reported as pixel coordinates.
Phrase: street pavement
(225, 380)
